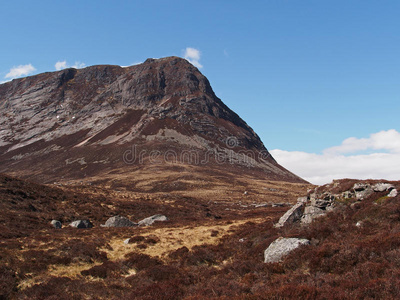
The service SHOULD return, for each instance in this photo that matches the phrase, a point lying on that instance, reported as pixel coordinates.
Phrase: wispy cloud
(193, 56)
(383, 163)
(21, 70)
(60, 65)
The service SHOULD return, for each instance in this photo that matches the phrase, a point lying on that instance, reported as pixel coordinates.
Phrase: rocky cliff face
(101, 119)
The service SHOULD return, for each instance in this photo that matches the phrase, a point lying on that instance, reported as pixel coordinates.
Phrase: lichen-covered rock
(281, 247)
(322, 201)
(382, 187)
(361, 186)
(291, 216)
(150, 220)
(118, 221)
(81, 224)
(311, 213)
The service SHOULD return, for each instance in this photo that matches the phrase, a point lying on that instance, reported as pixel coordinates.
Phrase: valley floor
(206, 250)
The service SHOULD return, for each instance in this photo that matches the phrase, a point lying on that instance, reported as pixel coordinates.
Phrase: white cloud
(21, 70)
(383, 140)
(193, 56)
(60, 65)
(63, 65)
(333, 164)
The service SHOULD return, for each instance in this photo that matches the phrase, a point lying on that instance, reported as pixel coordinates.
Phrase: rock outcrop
(317, 204)
(281, 247)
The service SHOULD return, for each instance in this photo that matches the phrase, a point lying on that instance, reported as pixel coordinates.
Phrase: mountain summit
(103, 121)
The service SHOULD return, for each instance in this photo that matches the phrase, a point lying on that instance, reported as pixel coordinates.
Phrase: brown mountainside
(108, 123)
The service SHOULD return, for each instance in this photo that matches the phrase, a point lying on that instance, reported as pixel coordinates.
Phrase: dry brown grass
(171, 239)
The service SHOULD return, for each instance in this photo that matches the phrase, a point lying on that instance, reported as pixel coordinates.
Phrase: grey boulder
(282, 247)
(150, 220)
(291, 216)
(382, 187)
(81, 224)
(56, 224)
(311, 213)
(118, 221)
(393, 193)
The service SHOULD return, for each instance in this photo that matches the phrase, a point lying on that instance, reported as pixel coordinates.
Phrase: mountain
(108, 124)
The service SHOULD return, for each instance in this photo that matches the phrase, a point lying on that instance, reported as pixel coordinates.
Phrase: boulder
(291, 216)
(150, 220)
(56, 224)
(361, 195)
(81, 224)
(311, 213)
(393, 193)
(323, 201)
(358, 187)
(281, 247)
(348, 195)
(118, 221)
(382, 187)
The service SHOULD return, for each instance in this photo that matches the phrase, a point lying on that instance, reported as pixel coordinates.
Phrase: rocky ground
(205, 250)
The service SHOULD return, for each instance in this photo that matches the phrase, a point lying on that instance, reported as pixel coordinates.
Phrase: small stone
(56, 224)
(126, 242)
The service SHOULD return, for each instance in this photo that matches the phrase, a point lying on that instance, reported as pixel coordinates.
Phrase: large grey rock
(291, 216)
(81, 224)
(393, 193)
(362, 190)
(382, 187)
(361, 186)
(311, 213)
(118, 221)
(281, 247)
(361, 195)
(56, 224)
(150, 220)
(322, 201)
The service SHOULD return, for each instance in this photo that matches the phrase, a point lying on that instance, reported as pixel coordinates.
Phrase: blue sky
(306, 75)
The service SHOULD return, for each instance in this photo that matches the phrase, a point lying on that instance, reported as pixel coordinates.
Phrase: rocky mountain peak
(159, 105)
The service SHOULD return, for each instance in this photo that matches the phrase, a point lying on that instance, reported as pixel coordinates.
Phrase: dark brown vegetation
(344, 261)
